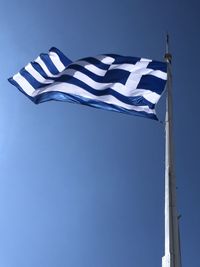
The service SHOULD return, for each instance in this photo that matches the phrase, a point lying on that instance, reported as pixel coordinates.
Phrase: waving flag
(124, 84)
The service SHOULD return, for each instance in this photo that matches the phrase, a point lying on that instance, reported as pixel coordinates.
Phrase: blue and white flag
(130, 85)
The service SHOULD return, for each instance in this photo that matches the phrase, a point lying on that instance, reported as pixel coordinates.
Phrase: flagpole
(172, 257)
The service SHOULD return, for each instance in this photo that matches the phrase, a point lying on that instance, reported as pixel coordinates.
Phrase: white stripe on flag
(37, 75)
(159, 74)
(56, 60)
(24, 84)
(128, 89)
(92, 68)
(147, 94)
(76, 90)
(105, 59)
(44, 67)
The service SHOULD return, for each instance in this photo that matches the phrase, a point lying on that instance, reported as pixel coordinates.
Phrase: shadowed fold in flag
(124, 84)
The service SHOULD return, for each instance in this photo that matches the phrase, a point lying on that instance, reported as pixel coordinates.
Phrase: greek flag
(124, 84)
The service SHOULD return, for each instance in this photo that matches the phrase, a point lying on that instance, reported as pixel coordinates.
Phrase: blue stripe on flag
(48, 96)
(123, 59)
(48, 62)
(35, 84)
(136, 101)
(39, 69)
(65, 60)
(155, 65)
(96, 63)
(152, 83)
(111, 76)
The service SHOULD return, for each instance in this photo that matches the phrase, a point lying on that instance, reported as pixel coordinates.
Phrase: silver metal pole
(172, 256)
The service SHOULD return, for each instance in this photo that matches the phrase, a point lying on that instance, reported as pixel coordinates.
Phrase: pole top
(168, 56)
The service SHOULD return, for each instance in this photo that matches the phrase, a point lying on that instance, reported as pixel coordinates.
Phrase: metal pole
(172, 256)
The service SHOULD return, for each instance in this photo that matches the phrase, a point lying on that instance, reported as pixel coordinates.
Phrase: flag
(124, 84)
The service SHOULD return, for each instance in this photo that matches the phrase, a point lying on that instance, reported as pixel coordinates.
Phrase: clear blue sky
(81, 187)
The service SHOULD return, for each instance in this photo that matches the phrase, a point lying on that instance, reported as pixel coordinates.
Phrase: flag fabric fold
(129, 85)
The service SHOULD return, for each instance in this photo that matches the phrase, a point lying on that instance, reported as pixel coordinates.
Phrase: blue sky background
(82, 187)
